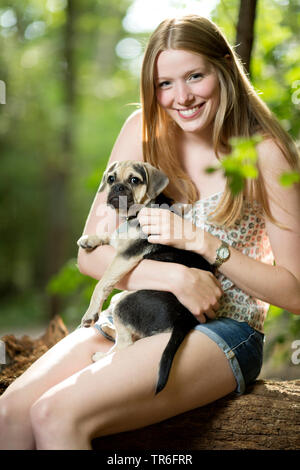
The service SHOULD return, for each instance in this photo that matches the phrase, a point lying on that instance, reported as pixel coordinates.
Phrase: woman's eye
(195, 76)
(134, 180)
(111, 179)
(164, 84)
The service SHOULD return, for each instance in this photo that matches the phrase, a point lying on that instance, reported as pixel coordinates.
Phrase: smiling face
(187, 87)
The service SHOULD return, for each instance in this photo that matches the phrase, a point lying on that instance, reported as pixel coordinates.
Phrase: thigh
(119, 390)
(68, 356)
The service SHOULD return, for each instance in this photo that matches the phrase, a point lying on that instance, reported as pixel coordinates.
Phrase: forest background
(69, 77)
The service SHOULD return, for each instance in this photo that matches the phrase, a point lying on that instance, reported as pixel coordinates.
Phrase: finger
(154, 238)
(210, 313)
(149, 212)
(147, 229)
(218, 283)
(215, 307)
(143, 212)
(201, 318)
(148, 220)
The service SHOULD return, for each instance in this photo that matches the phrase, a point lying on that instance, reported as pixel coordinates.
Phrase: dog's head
(132, 183)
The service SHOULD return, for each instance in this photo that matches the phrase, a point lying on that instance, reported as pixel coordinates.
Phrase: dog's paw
(88, 242)
(89, 320)
(97, 356)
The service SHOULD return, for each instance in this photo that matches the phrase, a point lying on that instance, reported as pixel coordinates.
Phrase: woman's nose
(184, 94)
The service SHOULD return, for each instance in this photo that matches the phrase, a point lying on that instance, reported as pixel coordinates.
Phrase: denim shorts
(241, 344)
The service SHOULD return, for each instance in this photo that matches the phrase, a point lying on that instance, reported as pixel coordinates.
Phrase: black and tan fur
(138, 314)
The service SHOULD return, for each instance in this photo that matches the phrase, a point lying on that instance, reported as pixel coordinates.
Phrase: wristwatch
(223, 254)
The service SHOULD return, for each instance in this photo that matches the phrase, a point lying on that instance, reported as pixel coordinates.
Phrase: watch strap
(219, 260)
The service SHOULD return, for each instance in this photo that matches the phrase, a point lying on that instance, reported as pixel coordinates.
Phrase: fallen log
(267, 417)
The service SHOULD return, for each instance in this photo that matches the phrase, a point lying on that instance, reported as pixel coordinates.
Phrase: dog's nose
(119, 187)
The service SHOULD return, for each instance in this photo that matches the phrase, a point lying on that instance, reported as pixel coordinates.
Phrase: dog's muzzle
(120, 197)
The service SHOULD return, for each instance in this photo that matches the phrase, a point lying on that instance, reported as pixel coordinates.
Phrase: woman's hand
(167, 228)
(199, 291)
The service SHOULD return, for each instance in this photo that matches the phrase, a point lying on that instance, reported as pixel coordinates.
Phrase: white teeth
(188, 112)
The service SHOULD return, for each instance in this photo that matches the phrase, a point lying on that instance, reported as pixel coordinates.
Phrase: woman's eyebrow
(189, 72)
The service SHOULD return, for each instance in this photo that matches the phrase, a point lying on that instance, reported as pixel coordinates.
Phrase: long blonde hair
(241, 112)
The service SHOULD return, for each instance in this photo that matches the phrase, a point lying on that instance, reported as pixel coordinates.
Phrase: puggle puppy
(137, 314)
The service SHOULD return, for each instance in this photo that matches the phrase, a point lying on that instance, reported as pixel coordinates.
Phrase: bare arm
(278, 285)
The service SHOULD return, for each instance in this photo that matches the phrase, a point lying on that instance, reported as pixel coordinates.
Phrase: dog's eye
(111, 179)
(134, 180)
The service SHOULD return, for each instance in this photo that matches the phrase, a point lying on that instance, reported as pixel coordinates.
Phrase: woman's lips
(191, 112)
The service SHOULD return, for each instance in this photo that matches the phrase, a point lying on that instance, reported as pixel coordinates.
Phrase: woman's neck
(203, 138)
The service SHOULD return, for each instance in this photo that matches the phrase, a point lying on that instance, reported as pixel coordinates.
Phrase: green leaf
(67, 280)
(211, 169)
(289, 178)
(240, 164)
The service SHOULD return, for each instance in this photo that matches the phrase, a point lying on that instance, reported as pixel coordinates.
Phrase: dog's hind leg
(124, 339)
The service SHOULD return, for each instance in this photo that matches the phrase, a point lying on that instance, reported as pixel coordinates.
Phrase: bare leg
(67, 357)
(116, 393)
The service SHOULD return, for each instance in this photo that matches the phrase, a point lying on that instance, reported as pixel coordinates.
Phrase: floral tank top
(247, 235)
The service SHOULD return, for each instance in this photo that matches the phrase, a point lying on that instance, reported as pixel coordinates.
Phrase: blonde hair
(240, 113)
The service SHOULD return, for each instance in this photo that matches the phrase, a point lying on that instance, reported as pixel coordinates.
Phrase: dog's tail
(179, 332)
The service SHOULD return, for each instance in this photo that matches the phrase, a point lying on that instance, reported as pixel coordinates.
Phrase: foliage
(240, 164)
(39, 183)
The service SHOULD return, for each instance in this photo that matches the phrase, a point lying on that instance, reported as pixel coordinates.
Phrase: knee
(11, 411)
(41, 413)
(6, 408)
(44, 417)
(49, 421)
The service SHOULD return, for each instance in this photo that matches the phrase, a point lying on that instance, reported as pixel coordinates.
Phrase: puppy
(138, 314)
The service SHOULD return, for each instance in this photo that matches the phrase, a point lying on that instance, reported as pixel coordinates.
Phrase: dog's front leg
(113, 274)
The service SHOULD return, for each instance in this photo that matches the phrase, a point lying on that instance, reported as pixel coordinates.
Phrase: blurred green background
(69, 77)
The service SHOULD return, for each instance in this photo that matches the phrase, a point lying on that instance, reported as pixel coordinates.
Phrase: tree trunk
(266, 417)
(59, 168)
(245, 31)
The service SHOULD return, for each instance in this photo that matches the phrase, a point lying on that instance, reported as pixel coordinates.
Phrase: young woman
(195, 97)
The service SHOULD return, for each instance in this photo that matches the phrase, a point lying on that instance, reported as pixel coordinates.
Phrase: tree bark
(245, 31)
(58, 168)
(267, 417)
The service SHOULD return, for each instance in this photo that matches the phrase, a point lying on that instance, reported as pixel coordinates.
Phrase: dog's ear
(105, 174)
(157, 181)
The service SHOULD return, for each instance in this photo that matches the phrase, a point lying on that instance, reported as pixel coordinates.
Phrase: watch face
(223, 252)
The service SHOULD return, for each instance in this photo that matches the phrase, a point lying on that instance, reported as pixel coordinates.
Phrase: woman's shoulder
(271, 157)
(128, 145)
(134, 121)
